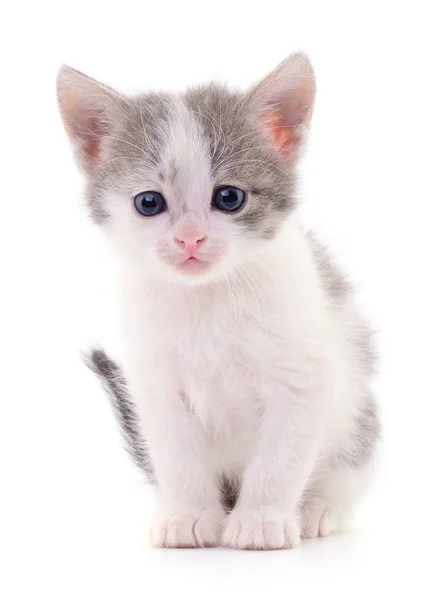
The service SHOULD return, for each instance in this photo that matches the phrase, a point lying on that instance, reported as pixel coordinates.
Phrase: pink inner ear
(282, 132)
(84, 126)
(92, 137)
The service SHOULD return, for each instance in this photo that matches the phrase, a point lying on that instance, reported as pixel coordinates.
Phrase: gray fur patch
(229, 490)
(337, 288)
(361, 444)
(116, 388)
(133, 149)
(268, 233)
(242, 153)
(334, 282)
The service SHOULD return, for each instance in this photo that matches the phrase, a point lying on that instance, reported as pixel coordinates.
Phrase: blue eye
(228, 198)
(149, 203)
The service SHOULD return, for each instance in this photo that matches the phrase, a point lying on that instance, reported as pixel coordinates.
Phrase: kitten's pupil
(229, 198)
(149, 201)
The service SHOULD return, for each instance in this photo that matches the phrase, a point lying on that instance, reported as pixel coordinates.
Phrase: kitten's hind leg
(329, 503)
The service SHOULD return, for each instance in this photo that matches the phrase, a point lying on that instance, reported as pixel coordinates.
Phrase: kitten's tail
(115, 386)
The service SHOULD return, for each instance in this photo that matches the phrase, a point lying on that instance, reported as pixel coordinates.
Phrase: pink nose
(190, 239)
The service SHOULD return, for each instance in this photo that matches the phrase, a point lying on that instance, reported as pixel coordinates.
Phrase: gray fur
(334, 282)
(337, 288)
(239, 147)
(242, 152)
(361, 444)
(229, 491)
(115, 386)
(132, 149)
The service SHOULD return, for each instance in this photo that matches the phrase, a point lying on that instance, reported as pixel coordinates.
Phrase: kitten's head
(190, 186)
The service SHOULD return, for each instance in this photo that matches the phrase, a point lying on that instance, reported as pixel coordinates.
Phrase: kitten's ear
(90, 112)
(284, 101)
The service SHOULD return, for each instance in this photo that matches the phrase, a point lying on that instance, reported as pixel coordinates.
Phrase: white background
(74, 512)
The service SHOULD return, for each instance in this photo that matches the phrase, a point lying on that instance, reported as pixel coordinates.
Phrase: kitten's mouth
(192, 264)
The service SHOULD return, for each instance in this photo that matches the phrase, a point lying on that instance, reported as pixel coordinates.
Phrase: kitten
(245, 393)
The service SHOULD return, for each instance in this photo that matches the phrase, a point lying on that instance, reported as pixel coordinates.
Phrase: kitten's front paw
(261, 530)
(187, 529)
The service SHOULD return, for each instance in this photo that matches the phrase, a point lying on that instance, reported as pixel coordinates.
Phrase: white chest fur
(214, 345)
(211, 343)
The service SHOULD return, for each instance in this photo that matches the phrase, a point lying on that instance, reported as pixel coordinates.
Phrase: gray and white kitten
(245, 391)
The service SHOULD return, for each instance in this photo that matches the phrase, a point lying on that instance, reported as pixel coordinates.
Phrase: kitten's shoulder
(340, 294)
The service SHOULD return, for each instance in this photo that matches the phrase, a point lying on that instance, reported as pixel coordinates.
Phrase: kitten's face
(188, 187)
(221, 190)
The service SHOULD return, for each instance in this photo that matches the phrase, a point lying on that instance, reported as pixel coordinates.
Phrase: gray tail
(115, 386)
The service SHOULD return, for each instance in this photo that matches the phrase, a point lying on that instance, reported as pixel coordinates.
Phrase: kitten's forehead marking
(185, 163)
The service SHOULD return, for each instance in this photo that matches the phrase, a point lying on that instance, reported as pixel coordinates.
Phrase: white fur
(259, 385)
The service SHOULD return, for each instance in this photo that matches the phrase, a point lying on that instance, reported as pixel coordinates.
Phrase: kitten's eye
(228, 198)
(149, 203)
